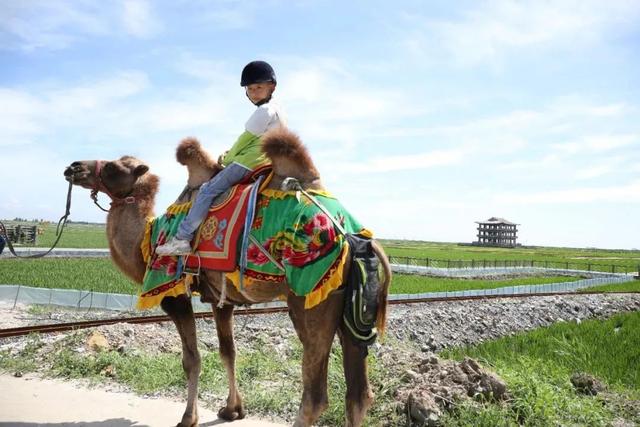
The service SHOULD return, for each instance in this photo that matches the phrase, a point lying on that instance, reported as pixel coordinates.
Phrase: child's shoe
(174, 247)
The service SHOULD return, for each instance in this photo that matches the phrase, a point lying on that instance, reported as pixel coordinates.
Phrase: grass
(74, 235)
(537, 367)
(97, 274)
(269, 381)
(633, 286)
(78, 235)
(100, 275)
(453, 251)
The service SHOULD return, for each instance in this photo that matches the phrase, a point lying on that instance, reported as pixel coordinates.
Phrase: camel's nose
(71, 169)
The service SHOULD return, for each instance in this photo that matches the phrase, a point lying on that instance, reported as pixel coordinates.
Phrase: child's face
(259, 91)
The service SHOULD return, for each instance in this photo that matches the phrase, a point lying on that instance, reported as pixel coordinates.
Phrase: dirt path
(31, 401)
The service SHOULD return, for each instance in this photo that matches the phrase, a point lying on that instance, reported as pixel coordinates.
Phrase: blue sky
(422, 117)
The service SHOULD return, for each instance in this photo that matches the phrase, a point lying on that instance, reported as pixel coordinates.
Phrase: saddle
(289, 240)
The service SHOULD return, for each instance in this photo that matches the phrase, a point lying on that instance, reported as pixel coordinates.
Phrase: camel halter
(100, 186)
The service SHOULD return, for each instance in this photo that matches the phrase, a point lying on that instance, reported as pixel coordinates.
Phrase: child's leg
(217, 185)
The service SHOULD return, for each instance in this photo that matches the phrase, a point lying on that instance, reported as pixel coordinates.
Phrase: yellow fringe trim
(365, 232)
(145, 245)
(333, 283)
(179, 208)
(279, 194)
(234, 276)
(153, 301)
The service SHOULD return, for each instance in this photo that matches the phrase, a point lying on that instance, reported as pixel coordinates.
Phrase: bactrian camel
(132, 189)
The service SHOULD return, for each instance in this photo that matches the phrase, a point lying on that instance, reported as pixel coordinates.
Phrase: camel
(132, 189)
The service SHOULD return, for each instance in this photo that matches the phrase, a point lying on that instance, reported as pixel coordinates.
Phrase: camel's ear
(140, 170)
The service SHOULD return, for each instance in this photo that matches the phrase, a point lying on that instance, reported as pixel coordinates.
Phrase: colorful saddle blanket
(293, 230)
(216, 244)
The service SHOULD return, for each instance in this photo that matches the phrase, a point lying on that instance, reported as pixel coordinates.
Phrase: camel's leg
(316, 328)
(359, 395)
(181, 312)
(224, 325)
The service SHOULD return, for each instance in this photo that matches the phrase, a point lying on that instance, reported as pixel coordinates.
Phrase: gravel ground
(430, 326)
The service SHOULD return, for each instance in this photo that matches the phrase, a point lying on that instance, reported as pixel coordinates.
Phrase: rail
(71, 326)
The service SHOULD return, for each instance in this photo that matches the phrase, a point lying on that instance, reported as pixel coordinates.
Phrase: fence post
(613, 268)
(15, 301)
(567, 265)
(473, 263)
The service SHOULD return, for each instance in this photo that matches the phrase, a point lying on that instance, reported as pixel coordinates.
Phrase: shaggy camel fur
(132, 189)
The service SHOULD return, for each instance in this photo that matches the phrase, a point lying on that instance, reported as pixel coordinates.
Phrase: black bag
(361, 291)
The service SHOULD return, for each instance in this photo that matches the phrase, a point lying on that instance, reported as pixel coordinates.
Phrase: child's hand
(221, 157)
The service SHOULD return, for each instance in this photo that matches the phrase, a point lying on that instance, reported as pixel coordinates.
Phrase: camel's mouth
(79, 173)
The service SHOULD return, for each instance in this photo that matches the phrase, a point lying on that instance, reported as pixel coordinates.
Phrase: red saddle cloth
(217, 240)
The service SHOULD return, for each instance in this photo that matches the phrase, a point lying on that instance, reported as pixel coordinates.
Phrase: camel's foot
(188, 421)
(232, 413)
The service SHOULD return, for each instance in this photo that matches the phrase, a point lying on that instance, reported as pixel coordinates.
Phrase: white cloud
(408, 161)
(51, 25)
(615, 194)
(138, 19)
(597, 143)
(41, 24)
(491, 30)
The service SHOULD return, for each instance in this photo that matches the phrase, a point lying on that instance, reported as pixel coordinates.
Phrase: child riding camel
(259, 81)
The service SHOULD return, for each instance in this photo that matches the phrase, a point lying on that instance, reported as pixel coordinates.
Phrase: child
(246, 155)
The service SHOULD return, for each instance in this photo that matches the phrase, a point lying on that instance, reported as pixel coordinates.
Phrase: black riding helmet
(257, 72)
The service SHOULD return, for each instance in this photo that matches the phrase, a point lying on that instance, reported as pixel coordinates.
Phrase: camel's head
(116, 178)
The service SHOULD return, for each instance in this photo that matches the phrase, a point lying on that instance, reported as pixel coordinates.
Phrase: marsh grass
(633, 286)
(537, 367)
(97, 274)
(100, 275)
(453, 251)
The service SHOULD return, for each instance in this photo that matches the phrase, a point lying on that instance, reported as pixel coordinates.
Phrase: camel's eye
(112, 170)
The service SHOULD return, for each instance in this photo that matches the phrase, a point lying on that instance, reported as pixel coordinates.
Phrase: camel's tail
(190, 151)
(288, 154)
(381, 317)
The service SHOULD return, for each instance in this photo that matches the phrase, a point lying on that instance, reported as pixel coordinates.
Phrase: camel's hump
(190, 151)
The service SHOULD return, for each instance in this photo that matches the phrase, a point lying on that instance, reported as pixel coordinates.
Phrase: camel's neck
(125, 231)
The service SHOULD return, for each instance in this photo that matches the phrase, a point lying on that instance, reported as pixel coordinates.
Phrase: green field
(556, 257)
(537, 366)
(78, 235)
(74, 235)
(91, 274)
(101, 275)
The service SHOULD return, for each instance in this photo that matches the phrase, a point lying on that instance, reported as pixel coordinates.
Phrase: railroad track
(71, 326)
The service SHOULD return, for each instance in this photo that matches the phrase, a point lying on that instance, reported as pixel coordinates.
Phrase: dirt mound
(438, 385)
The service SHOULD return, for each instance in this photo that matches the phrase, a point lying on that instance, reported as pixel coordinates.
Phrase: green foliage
(537, 367)
(75, 235)
(453, 251)
(633, 286)
(97, 274)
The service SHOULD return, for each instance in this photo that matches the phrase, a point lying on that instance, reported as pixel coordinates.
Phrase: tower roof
(496, 220)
